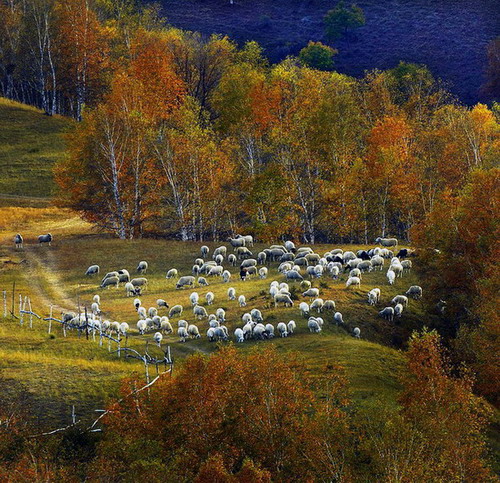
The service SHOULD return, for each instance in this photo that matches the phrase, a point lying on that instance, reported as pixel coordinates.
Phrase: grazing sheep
(397, 268)
(204, 251)
(221, 333)
(18, 240)
(248, 239)
(355, 272)
(110, 274)
(356, 332)
(200, 312)
(182, 323)
(211, 334)
(139, 283)
(158, 337)
(282, 329)
(373, 296)
(313, 326)
(210, 298)
(195, 270)
(261, 258)
(137, 303)
(250, 271)
(152, 312)
(415, 292)
(329, 305)
(186, 281)
(242, 301)
(317, 304)
(387, 242)
(290, 246)
(141, 311)
(162, 303)
(231, 293)
(391, 276)
(400, 299)
(226, 276)
(222, 250)
(94, 308)
(232, 259)
(377, 261)
(337, 317)
(45, 239)
(97, 299)
(202, 282)
(194, 297)
(247, 330)
(175, 311)
(193, 331)
(219, 259)
(398, 310)
(270, 331)
(284, 267)
(355, 281)
(406, 264)
(237, 242)
(291, 326)
(365, 266)
(92, 270)
(239, 335)
(124, 276)
(172, 273)
(256, 315)
(124, 328)
(387, 313)
(165, 325)
(182, 333)
(142, 267)
(334, 271)
(284, 299)
(312, 293)
(108, 282)
(142, 326)
(130, 290)
(263, 273)
(216, 271)
(220, 313)
(259, 331)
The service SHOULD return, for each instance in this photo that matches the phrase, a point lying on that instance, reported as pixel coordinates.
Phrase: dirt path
(41, 275)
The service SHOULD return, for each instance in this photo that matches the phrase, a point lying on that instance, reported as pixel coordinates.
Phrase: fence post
(50, 321)
(4, 304)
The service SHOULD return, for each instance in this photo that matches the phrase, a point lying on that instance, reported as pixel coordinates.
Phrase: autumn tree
(317, 56)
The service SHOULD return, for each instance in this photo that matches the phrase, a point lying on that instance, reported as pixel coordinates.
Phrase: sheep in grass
(374, 296)
(209, 297)
(355, 272)
(219, 259)
(204, 251)
(94, 308)
(213, 322)
(142, 326)
(391, 276)
(387, 313)
(226, 276)
(193, 298)
(329, 305)
(211, 334)
(406, 264)
(317, 304)
(18, 241)
(242, 301)
(220, 313)
(365, 266)
(400, 299)
(237, 242)
(334, 272)
(195, 270)
(172, 273)
(186, 281)
(290, 246)
(398, 310)
(256, 315)
(282, 329)
(259, 332)
(231, 293)
(281, 298)
(165, 326)
(377, 261)
(45, 239)
(152, 312)
(248, 239)
(356, 332)
(415, 292)
(193, 332)
(97, 299)
(291, 326)
(222, 250)
(311, 293)
(239, 336)
(182, 333)
(175, 311)
(313, 326)
(337, 317)
(123, 275)
(162, 304)
(182, 323)
(221, 333)
(202, 282)
(247, 330)
(141, 311)
(397, 268)
(263, 273)
(232, 260)
(261, 258)
(114, 327)
(109, 282)
(215, 271)
(137, 304)
(156, 320)
(387, 242)
(142, 267)
(354, 281)
(92, 270)
(158, 337)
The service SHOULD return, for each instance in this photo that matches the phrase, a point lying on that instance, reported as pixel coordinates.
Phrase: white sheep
(193, 331)
(406, 264)
(211, 334)
(142, 267)
(291, 326)
(231, 293)
(355, 272)
(373, 296)
(209, 297)
(175, 311)
(329, 305)
(400, 299)
(312, 293)
(377, 261)
(142, 326)
(204, 251)
(152, 312)
(226, 276)
(215, 271)
(232, 259)
(239, 335)
(124, 328)
(96, 299)
(304, 309)
(294, 276)
(387, 242)
(282, 329)
(259, 331)
(317, 304)
(387, 313)
(92, 270)
(141, 311)
(186, 281)
(313, 325)
(130, 290)
(182, 323)
(202, 282)
(242, 301)
(182, 333)
(337, 317)
(355, 281)
(172, 273)
(162, 303)
(356, 332)
(199, 312)
(256, 315)
(415, 292)
(220, 314)
(137, 303)
(281, 298)
(165, 325)
(247, 330)
(270, 330)
(398, 310)
(158, 337)
(263, 273)
(110, 281)
(222, 250)
(194, 297)
(391, 276)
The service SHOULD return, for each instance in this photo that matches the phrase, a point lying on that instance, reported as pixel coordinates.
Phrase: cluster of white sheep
(113, 278)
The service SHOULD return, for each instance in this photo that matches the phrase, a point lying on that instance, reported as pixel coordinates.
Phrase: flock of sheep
(296, 265)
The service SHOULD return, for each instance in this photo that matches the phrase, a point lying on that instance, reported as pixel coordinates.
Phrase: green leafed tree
(341, 19)
(317, 56)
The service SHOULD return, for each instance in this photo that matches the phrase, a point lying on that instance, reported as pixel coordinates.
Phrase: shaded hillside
(449, 36)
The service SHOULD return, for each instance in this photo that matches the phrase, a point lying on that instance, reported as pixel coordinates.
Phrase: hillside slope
(450, 37)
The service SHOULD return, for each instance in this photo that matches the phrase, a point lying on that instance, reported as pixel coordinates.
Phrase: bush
(317, 56)
(341, 19)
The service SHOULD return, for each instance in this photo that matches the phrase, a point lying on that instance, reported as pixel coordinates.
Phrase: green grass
(30, 144)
